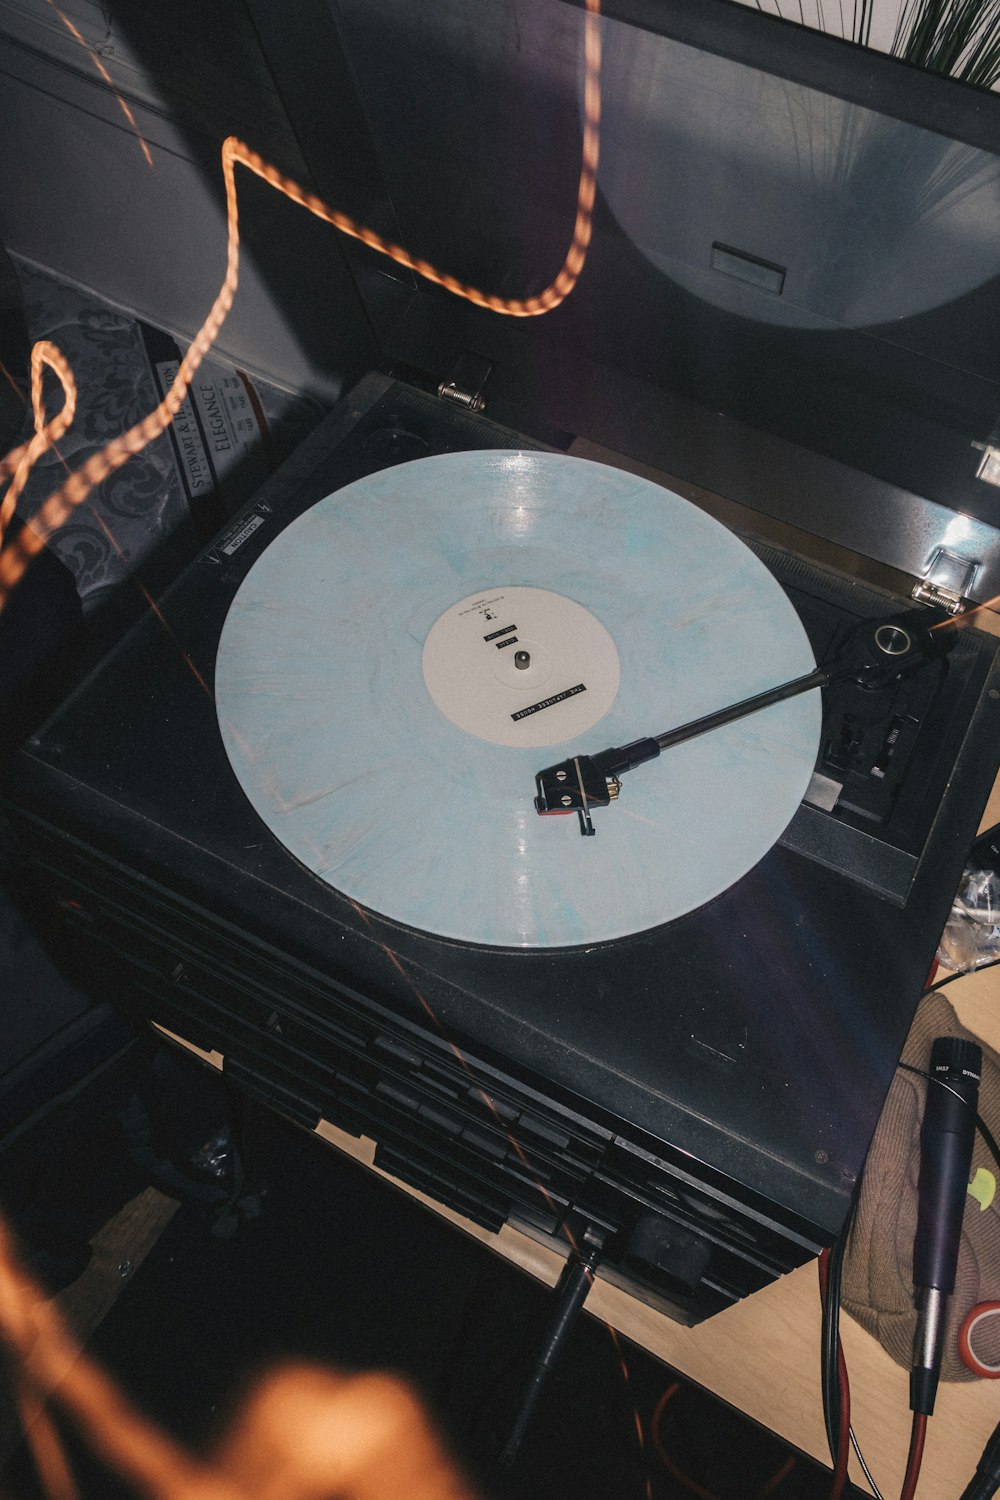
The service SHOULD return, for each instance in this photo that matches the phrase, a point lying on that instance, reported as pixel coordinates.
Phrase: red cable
(844, 1434)
(776, 1478)
(917, 1434)
(685, 1480)
(823, 1267)
(918, 1431)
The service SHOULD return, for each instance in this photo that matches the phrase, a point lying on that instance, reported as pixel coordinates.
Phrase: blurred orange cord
(20, 460)
(692, 1485)
(303, 1433)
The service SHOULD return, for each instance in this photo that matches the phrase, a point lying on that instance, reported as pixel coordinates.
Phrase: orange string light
(47, 434)
(129, 1443)
(512, 307)
(58, 507)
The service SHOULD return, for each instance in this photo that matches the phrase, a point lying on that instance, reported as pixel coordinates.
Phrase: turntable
(308, 814)
(295, 821)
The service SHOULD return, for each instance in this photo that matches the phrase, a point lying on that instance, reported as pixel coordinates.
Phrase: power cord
(958, 974)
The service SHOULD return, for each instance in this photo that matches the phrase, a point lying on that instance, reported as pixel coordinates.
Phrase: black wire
(864, 1467)
(829, 1373)
(830, 1351)
(827, 1385)
(829, 1390)
(830, 1337)
(831, 1378)
(959, 974)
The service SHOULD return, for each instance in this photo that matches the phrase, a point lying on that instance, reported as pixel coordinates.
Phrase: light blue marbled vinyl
(337, 744)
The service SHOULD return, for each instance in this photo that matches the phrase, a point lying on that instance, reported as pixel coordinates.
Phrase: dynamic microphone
(946, 1140)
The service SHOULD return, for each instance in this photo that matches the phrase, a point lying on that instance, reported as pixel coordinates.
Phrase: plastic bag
(971, 936)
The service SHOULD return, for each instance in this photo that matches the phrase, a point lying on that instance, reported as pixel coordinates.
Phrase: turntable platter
(405, 656)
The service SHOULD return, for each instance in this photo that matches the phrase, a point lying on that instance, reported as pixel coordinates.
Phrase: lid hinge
(989, 465)
(948, 580)
(464, 386)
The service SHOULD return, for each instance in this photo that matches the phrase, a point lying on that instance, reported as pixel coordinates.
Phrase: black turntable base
(291, 821)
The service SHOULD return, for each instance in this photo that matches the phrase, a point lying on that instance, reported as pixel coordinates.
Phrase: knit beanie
(877, 1287)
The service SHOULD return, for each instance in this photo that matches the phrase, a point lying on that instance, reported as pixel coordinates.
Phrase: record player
(292, 817)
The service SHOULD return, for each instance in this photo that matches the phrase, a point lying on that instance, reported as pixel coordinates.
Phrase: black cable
(959, 974)
(570, 1292)
(830, 1336)
(829, 1374)
(987, 1476)
(830, 1350)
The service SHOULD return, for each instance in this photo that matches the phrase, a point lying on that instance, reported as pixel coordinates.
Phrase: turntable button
(544, 1132)
(484, 1143)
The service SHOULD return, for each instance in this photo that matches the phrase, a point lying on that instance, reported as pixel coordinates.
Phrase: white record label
(520, 666)
(365, 713)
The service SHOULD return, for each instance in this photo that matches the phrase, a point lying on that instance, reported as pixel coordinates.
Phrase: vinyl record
(407, 654)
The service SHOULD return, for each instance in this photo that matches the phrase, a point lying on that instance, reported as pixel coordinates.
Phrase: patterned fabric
(129, 517)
